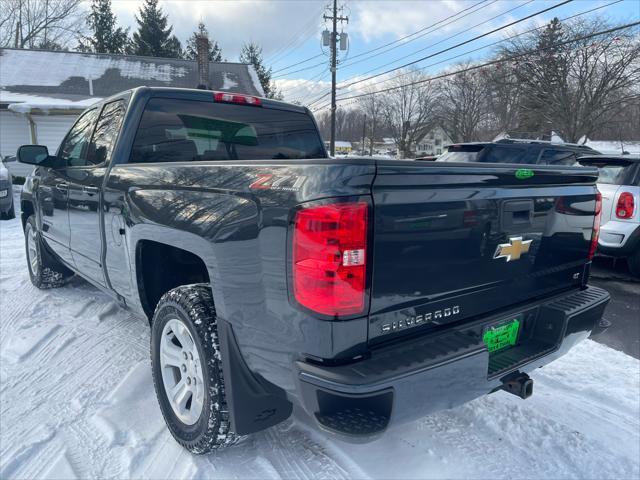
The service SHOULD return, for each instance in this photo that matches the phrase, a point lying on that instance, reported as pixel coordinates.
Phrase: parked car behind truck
(535, 152)
(7, 208)
(367, 291)
(619, 183)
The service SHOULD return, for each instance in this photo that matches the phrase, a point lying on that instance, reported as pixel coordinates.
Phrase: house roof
(52, 78)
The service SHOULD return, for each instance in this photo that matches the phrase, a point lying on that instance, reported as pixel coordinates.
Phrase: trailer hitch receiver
(519, 384)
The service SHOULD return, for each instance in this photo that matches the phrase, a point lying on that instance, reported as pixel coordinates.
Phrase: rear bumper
(619, 238)
(6, 196)
(403, 382)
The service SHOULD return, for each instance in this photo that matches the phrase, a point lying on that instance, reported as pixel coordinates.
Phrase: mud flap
(254, 404)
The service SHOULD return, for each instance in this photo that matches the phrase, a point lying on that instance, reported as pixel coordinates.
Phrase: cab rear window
(189, 130)
(461, 153)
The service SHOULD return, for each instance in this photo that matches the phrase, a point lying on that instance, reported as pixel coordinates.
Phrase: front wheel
(187, 372)
(45, 271)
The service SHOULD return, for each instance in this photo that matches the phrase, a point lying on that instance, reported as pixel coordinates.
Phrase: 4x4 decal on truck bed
(269, 181)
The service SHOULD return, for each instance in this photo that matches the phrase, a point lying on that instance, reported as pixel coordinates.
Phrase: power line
(477, 37)
(445, 39)
(451, 18)
(299, 63)
(300, 70)
(444, 50)
(488, 64)
(287, 47)
(495, 43)
(422, 33)
(423, 29)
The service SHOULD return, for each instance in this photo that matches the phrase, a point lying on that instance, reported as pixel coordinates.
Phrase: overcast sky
(290, 30)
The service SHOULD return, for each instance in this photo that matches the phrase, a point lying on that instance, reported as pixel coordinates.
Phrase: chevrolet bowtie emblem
(512, 250)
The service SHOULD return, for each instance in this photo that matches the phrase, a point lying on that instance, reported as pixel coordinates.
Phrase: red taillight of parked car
(330, 258)
(596, 226)
(625, 206)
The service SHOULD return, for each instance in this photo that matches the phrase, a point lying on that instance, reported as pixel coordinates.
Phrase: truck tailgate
(455, 241)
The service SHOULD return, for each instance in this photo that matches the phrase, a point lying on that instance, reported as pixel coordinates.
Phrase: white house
(432, 143)
(42, 92)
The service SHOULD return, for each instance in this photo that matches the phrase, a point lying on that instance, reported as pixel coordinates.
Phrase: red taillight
(625, 206)
(330, 258)
(227, 97)
(596, 226)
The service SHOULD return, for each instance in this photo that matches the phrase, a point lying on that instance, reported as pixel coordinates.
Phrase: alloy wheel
(32, 251)
(182, 374)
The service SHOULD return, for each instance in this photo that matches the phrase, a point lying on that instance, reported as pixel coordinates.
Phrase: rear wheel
(45, 271)
(634, 263)
(187, 372)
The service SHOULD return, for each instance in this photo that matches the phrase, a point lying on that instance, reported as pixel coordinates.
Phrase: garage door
(51, 129)
(14, 131)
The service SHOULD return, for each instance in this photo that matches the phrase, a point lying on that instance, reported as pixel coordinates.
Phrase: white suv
(619, 184)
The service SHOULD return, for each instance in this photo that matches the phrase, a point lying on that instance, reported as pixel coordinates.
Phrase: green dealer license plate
(502, 335)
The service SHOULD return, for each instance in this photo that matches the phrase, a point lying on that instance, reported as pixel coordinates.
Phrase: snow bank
(77, 401)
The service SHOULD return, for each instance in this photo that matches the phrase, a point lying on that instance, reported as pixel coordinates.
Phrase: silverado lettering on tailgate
(412, 321)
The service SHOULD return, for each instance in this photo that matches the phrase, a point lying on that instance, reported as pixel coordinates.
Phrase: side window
(106, 133)
(558, 157)
(74, 148)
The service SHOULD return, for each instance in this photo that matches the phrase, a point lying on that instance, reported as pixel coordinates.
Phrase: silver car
(7, 209)
(619, 184)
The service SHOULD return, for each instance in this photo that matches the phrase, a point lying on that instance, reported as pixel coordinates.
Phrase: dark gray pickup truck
(365, 291)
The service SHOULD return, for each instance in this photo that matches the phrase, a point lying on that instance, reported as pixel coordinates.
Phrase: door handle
(90, 190)
(63, 187)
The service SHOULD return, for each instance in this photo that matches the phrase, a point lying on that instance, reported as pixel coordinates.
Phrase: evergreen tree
(549, 64)
(251, 53)
(154, 37)
(191, 50)
(107, 38)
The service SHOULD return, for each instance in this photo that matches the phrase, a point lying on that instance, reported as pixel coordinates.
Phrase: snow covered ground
(77, 401)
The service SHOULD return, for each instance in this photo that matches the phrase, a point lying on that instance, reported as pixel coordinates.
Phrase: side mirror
(34, 155)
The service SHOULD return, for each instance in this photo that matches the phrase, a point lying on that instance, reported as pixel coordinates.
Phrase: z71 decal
(269, 181)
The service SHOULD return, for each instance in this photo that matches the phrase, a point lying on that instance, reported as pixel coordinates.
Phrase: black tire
(11, 214)
(193, 306)
(47, 271)
(634, 263)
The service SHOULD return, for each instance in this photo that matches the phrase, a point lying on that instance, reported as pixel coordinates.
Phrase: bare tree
(409, 109)
(371, 106)
(40, 23)
(503, 100)
(576, 88)
(463, 105)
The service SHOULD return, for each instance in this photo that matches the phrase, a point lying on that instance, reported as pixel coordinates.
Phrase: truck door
(85, 192)
(53, 188)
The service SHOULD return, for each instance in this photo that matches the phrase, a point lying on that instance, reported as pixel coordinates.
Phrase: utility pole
(364, 133)
(334, 61)
(46, 21)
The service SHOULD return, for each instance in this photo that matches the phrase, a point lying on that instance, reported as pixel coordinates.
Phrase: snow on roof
(340, 143)
(55, 74)
(23, 103)
(614, 146)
